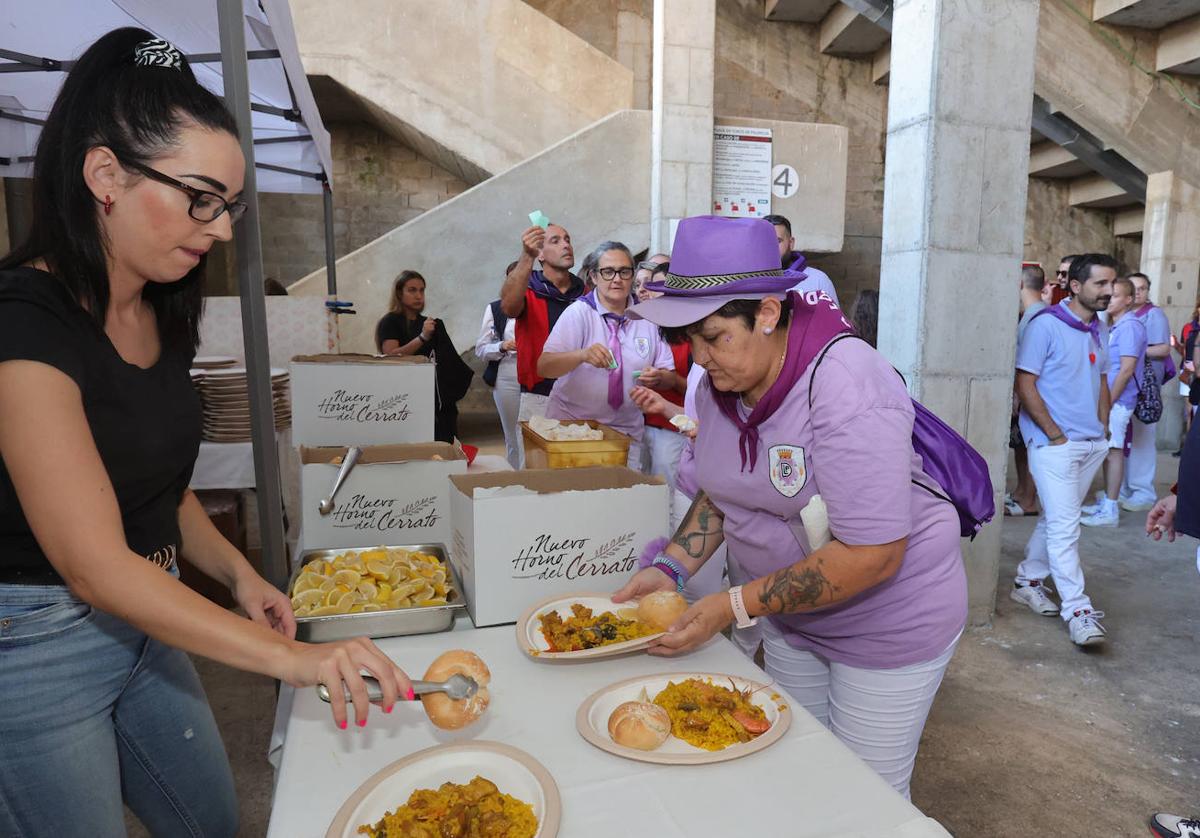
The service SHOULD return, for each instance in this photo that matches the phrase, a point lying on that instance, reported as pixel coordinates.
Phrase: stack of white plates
(225, 396)
(212, 362)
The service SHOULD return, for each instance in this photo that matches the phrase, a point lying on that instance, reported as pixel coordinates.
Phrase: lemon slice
(382, 591)
(356, 608)
(323, 611)
(349, 578)
(370, 606)
(378, 569)
(345, 602)
(368, 589)
(307, 599)
(327, 586)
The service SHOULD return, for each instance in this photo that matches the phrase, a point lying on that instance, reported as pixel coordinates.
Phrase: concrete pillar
(1171, 258)
(682, 114)
(953, 225)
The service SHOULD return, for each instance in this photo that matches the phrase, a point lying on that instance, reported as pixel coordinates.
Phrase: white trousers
(1138, 484)
(531, 405)
(507, 396)
(1063, 474)
(878, 713)
(663, 450)
(711, 578)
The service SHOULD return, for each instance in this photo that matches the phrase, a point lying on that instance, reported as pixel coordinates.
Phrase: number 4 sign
(785, 181)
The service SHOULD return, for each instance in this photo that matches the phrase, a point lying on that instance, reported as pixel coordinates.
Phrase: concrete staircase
(597, 181)
(515, 84)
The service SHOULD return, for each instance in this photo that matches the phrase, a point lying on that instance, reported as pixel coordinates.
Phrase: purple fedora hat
(715, 261)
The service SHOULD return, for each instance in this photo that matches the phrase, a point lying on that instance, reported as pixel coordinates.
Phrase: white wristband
(744, 620)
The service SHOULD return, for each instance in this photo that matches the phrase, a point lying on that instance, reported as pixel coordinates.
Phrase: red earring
(108, 205)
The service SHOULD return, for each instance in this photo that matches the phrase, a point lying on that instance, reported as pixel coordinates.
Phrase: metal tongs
(458, 687)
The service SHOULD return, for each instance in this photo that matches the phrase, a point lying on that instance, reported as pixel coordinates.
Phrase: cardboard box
(395, 494)
(361, 399)
(524, 536)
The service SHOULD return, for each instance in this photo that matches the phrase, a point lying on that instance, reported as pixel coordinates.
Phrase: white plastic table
(806, 784)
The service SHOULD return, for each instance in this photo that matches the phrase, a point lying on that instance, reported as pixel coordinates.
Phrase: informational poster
(741, 171)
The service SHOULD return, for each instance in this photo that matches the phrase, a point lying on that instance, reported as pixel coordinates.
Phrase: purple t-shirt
(583, 392)
(1127, 338)
(855, 450)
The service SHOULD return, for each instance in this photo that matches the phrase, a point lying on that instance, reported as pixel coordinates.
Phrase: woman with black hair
(138, 173)
(404, 330)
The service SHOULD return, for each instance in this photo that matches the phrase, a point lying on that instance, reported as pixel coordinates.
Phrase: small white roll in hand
(816, 523)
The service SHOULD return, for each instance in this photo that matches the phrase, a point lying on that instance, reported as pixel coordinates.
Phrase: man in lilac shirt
(1137, 489)
(1126, 358)
(791, 259)
(1064, 413)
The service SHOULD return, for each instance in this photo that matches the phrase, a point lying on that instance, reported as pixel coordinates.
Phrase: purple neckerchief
(797, 263)
(812, 326)
(1071, 320)
(779, 283)
(612, 322)
(543, 287)
(1144, 310)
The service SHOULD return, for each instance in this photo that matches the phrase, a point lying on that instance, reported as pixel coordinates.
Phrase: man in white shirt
(1137, 489)
(791, 259)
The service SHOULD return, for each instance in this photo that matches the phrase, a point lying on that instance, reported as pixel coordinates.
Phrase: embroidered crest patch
(788, 474)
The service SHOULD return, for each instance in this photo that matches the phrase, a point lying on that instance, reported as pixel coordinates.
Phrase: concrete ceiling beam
(881, 64)
(846, 32)
(1051, 160)
(798, 11)
(1129, 222)
(1098, 192)
(1179, 48)
(1144, 14)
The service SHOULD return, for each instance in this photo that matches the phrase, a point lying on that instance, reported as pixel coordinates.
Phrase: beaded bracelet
(673, 569)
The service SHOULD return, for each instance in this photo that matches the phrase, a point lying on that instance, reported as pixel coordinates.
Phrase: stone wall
(379, 183)
(1054, 228)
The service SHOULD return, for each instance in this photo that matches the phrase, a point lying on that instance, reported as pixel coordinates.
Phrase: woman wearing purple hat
(596, 353)
(806, 470)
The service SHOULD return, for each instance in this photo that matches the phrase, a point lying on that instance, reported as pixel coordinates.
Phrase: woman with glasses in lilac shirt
(597, 354)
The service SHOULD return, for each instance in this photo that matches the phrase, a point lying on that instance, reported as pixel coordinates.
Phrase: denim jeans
(95, 712)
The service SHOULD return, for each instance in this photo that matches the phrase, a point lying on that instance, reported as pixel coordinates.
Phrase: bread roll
(444, 711)
(639, 724)
(661, 608)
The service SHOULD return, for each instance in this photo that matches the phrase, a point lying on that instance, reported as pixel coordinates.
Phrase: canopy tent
(244, 50)
(38, 40)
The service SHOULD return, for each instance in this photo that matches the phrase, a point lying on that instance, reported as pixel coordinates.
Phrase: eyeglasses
(205, 206)
(1060, 273)
(609, 274)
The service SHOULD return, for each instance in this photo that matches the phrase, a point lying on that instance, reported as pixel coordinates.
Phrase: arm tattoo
(796, 588)
(703, 521)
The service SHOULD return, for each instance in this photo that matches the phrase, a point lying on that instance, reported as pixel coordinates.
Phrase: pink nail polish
(411, 695)
(388, 709)
(362, 722)
(342, 725)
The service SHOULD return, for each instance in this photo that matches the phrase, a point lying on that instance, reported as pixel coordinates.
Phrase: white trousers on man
(663, 450)
(507, 396)
(1063, 474)
(1137, 487)
(878, 713)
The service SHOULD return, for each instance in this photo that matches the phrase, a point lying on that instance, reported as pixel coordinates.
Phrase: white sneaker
(1034, 595)
(1096, 505)
(1163, 825)
(1131, 506)
(1110, 517)
(1085, 628)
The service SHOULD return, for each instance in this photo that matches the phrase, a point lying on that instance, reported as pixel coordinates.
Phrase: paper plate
(592, 719)
(533, 642)
(208, 362)
(512, 770)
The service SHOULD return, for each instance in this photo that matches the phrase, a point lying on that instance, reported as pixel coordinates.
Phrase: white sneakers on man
(1096, 505)
(1085, 628)
(1034, 595)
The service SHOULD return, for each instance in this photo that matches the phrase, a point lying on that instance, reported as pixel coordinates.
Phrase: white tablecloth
(230, 465)
(806, 785)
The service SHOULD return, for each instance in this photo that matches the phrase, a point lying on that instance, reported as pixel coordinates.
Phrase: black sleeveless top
(146, 423)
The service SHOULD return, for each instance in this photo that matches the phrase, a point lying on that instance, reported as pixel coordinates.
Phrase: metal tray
(393, 623)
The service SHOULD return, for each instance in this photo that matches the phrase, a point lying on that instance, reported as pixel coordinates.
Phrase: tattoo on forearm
(703, 522)
(797, 589)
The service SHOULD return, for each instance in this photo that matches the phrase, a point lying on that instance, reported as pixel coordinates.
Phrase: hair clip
(157, 53)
